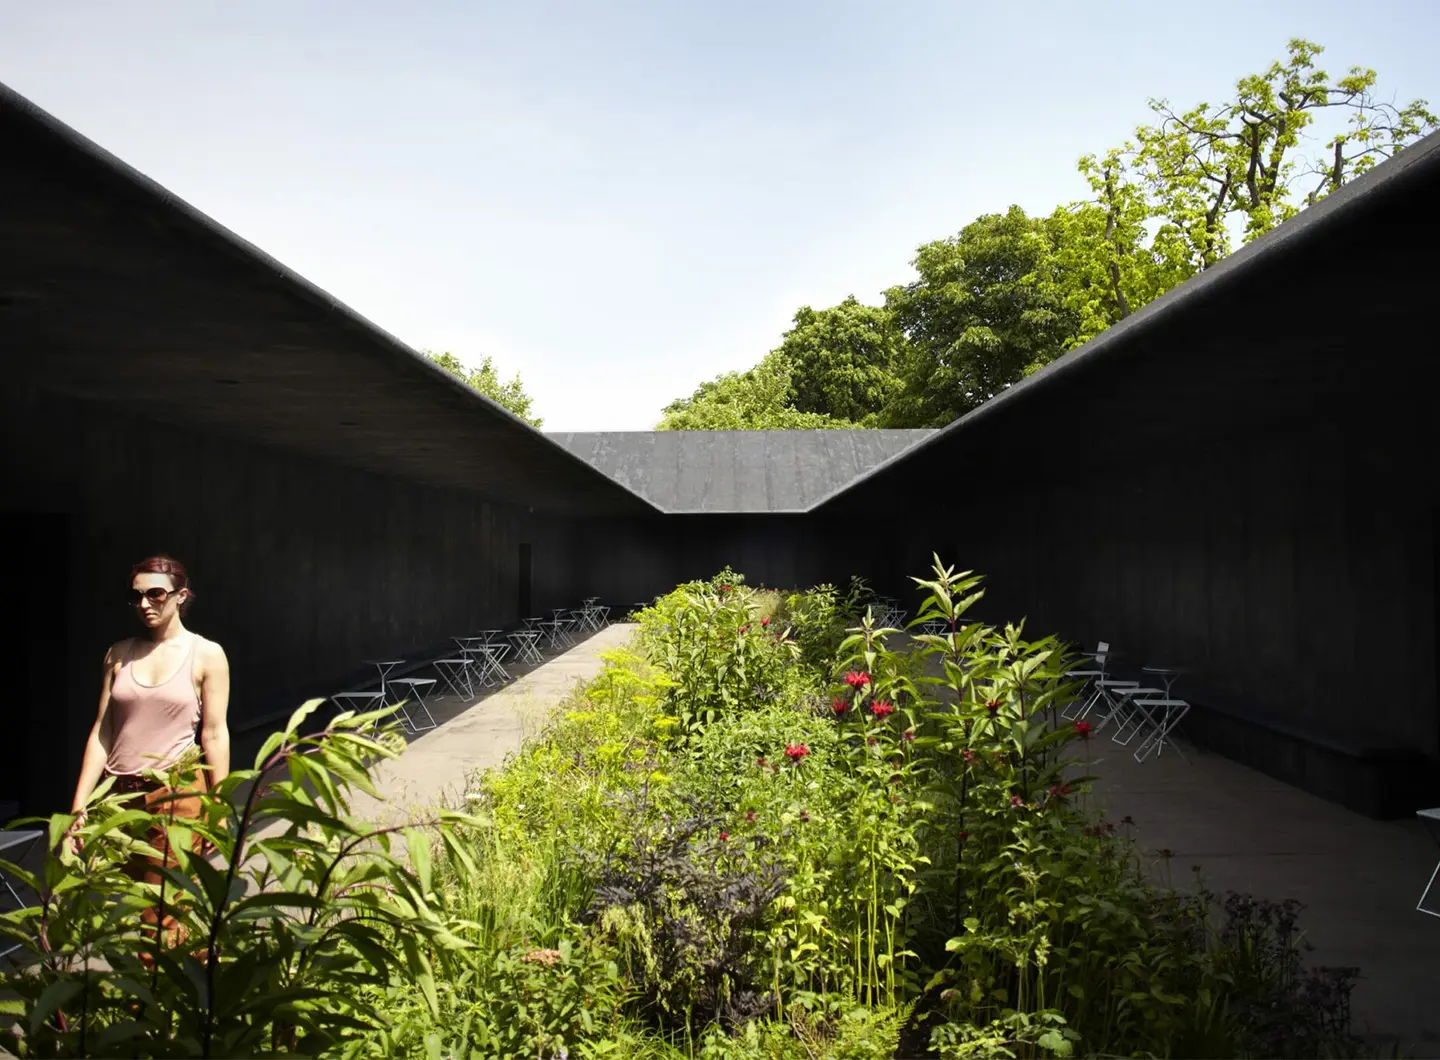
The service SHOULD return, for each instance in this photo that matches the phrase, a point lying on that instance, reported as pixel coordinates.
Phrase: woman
(162, 706)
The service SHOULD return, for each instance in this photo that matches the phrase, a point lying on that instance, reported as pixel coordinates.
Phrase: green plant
(302, 910)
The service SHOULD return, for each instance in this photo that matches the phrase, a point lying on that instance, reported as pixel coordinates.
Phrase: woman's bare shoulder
(119, 651)
(209, 650)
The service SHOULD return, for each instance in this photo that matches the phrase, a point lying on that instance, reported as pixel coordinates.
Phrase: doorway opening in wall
(36, 671)
(524, 602)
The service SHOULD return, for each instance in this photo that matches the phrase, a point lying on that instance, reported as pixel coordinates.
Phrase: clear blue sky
(619, 200)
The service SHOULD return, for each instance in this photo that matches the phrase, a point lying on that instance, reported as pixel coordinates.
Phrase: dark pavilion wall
(1293, 569)
(302, 570)
(630, 560)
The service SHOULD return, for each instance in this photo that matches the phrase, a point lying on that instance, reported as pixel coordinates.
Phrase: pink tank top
(152, 726)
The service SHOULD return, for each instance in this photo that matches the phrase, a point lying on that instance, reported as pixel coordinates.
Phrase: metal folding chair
(456, 675)
(1161, 715)
(1081, 704)
(527, 646)
(417, 687)
(359, 702)
(14, 847)
(1431, 818)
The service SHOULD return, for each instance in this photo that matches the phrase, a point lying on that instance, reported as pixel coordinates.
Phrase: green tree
(989, 306)
(843, 360)
(1245, 161)
(486, 379)
(756, 400)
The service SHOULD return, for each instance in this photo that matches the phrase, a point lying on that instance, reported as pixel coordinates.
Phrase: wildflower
(749, 816)
(908, 734)
(764, 621)
(745, 628)
(796, 751)
(724, 588)
(839, 706)
(857, 679)
(760, 761)
(870, 740)
(969, 756)
(964, 836)
(804, 815)
(992, 706)
(882, 709)
(724, 836)
(1083, 729)
(1016, 801)
(1054, 791)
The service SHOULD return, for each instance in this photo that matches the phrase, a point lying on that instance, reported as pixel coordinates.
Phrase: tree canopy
(756, 400)
(1012, 292)
(486, 379)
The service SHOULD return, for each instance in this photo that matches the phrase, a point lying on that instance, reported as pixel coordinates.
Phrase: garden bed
(759, 832)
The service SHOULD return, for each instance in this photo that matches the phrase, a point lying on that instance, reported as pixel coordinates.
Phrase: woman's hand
(72, 842)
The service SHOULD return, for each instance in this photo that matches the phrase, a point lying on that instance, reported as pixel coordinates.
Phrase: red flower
(744, 628)
(750, 816)
(1083, 729)
(870, 740)
(724, 836)
(857, 679)
(993, 706)
(964, 836)
(839, 706)
(908, 734)
(796, 751)
(969, 756)
(760, 761)
(764, 621)
(882, 709)
(1016, 801)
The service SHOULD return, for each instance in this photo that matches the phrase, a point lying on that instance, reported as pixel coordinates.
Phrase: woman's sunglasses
(155, 595)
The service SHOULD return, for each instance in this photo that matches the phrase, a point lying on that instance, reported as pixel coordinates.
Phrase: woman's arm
(93, 764)
(214, 702)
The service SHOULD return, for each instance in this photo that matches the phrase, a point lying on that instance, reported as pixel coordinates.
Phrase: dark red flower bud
(1083, 729)
(1016, 801)
(992, 706)
(724, 836)
(750, 817)
(764, 621)
(908, 734)
(839, 706)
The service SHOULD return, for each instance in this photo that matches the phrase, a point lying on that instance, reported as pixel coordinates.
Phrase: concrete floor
(1358, 878)
(477, 734)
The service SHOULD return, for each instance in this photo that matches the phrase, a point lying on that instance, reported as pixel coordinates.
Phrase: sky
(620, 200)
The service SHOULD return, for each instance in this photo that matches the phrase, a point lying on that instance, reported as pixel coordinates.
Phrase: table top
(385, 662)
(1433, 814)
(1164, 669)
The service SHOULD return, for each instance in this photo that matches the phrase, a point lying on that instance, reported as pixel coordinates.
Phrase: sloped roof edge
(1395, 176)
(117, 170)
